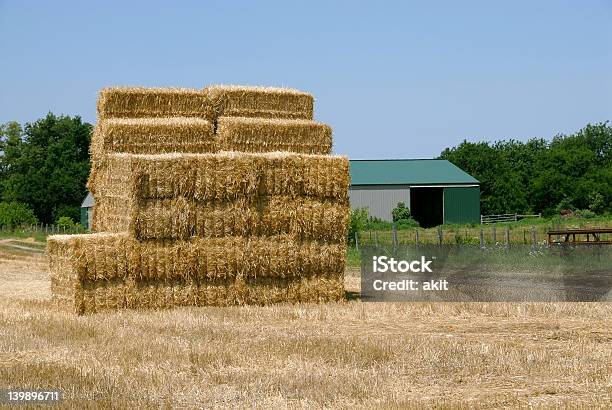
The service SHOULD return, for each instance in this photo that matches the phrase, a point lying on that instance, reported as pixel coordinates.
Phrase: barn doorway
(426, 206)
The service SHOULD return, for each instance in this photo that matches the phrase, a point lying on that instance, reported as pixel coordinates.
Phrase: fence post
(357, 241)
(439, 235)
(494, 235)
(376, 238)
(482, 244)
(524, 236)
(507, 236)
(533, 236)
(416, 236)
(394, 233)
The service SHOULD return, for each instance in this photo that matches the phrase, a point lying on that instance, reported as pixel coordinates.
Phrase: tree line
(572, 172)
(44, 167)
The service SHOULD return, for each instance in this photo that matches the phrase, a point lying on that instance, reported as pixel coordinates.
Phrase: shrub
(400, 212)
(564, 204)
(65, 222)
(584, 213)
(407, 223)
(14, 214)
(596, 202)
(359, 219)
(402, 218)
(377, 224)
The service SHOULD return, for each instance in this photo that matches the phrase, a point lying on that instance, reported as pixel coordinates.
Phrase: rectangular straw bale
(153, 136)
(264, 102)
(265, 291)
(79, 259)
(110, 178)
(110, 214)
(303, 218)
(65, 270)
(138, 102)
(223, 176)
(111, 295)
(96, 272)
(103, 295)
(269, 135)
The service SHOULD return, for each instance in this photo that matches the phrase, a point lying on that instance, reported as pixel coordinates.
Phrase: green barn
(436, 191)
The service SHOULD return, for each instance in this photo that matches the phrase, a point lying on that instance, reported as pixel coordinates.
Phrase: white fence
(491, 219)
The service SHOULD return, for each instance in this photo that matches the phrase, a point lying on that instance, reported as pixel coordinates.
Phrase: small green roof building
(436, 191)
(87, 211)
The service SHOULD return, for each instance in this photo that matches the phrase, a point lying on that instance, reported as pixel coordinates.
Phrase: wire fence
(483, 235)
(43, 229)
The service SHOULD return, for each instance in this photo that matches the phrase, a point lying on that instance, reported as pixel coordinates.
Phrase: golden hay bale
(79, 259)
(264, 102)
(129, 293)
(224, 176)
(268, 135)
(153, 136)
(65, 269)
(96, 272)
(136, 102)
(302, 218)
(111, 214)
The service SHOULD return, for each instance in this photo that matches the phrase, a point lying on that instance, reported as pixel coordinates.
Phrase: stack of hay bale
(221, 196)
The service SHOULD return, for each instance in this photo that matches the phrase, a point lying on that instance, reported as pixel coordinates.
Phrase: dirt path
(23, 271)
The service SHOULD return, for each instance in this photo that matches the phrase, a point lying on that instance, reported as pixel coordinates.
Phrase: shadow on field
(350, 295)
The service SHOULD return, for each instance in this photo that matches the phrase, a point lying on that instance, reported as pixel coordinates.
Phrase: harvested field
(262, 102)
(138, 102)
(269, 135)
(153, 136)
(343, 354)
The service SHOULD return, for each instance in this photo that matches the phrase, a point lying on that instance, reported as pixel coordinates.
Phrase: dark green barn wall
(84, 219)
(461, 205)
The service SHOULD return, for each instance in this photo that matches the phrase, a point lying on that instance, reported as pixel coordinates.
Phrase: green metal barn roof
(408, 172)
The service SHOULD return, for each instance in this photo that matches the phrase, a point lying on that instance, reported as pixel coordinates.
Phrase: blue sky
(394, 79)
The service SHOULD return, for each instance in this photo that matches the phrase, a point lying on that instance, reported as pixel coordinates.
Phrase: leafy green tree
(14, 214)
(535, 176)
(11, 142)
(46, 165)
